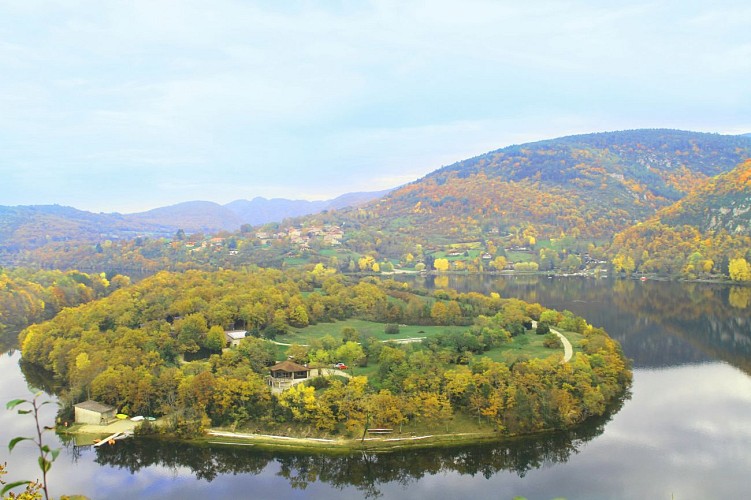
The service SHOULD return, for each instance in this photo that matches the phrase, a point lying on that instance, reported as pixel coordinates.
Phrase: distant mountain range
(261, 211)
(33, 226)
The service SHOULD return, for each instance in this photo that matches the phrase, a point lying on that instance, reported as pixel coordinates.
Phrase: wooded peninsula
(376, 354)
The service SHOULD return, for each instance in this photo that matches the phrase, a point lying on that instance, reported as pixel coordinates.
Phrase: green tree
(259, 353)
(190, 331)
(215, 339)
(350, 334)
(542, 328)
(350, 353)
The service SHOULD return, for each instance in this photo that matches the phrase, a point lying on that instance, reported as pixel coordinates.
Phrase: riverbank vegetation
(129, 350)
(32, 295)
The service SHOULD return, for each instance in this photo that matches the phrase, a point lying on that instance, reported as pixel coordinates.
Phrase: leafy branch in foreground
(47, 455)
(30, 493)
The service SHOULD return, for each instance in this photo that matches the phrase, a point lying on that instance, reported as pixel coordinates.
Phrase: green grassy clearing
(528, 345)
(513, 256)
(296, 261)
(365, 328)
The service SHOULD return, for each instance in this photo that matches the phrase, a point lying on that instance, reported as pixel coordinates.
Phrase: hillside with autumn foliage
(707, 232)
(723, 202)
(588, 185)
(552, 205)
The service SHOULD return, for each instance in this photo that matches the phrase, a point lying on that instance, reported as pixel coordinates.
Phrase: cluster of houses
(330, 235)
(215, 243)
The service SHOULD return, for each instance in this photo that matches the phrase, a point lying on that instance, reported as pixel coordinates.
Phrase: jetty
(114, 437)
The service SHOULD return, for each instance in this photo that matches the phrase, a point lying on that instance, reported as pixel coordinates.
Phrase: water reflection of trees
(659, 324)
(39, 378)
(365, 471)
(8, 341)
(714, 319)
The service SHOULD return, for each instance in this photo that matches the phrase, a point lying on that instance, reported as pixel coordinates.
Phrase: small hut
(286, 373)
(91, 412)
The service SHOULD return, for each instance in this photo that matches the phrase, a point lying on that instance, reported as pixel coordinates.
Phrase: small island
(314, 359)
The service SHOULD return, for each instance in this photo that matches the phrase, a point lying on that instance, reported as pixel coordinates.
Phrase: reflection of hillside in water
(667, 323)
(365, 471)
(659, 324)
(715, 320)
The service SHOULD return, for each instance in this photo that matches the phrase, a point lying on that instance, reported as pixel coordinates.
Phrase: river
(684, 433)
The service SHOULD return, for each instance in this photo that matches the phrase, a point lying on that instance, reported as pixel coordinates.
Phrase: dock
(114, 437)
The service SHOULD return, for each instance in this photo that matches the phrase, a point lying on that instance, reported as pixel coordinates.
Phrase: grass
(348, 445)
(365, 328)
(527, 345)
(296, 261)
(514, 256)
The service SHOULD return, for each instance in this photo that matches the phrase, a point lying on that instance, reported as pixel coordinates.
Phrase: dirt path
(327, 372)
(241, 435)
(568, 349)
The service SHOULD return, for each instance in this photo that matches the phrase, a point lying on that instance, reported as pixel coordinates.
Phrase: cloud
(322, 97)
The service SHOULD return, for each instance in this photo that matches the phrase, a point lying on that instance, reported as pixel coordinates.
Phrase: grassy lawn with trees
(525, 346)
(365, 329)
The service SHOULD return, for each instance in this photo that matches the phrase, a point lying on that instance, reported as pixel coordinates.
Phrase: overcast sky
(125, 106)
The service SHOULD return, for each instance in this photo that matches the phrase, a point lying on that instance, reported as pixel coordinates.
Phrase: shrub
(392, 329)
(542, 328)
(552, 341)
(515, 329)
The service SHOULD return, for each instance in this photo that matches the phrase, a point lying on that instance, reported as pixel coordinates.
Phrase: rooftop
(95, 406)
(288, 366)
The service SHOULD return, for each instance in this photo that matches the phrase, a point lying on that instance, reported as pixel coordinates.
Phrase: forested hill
(629, 152)
(702, 233)
(37, 225)
(724, 202)
(591, 185)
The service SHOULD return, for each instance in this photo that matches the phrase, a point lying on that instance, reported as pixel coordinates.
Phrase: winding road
(568, 349)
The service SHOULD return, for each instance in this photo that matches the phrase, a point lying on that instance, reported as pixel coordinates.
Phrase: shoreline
(344, 445)
(87, 434)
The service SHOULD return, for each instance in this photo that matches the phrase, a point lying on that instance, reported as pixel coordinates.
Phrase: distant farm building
(91, 412)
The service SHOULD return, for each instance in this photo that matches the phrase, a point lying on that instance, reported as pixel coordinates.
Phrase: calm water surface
(685, 433)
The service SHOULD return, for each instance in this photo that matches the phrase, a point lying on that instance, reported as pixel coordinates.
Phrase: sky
(130, 105)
